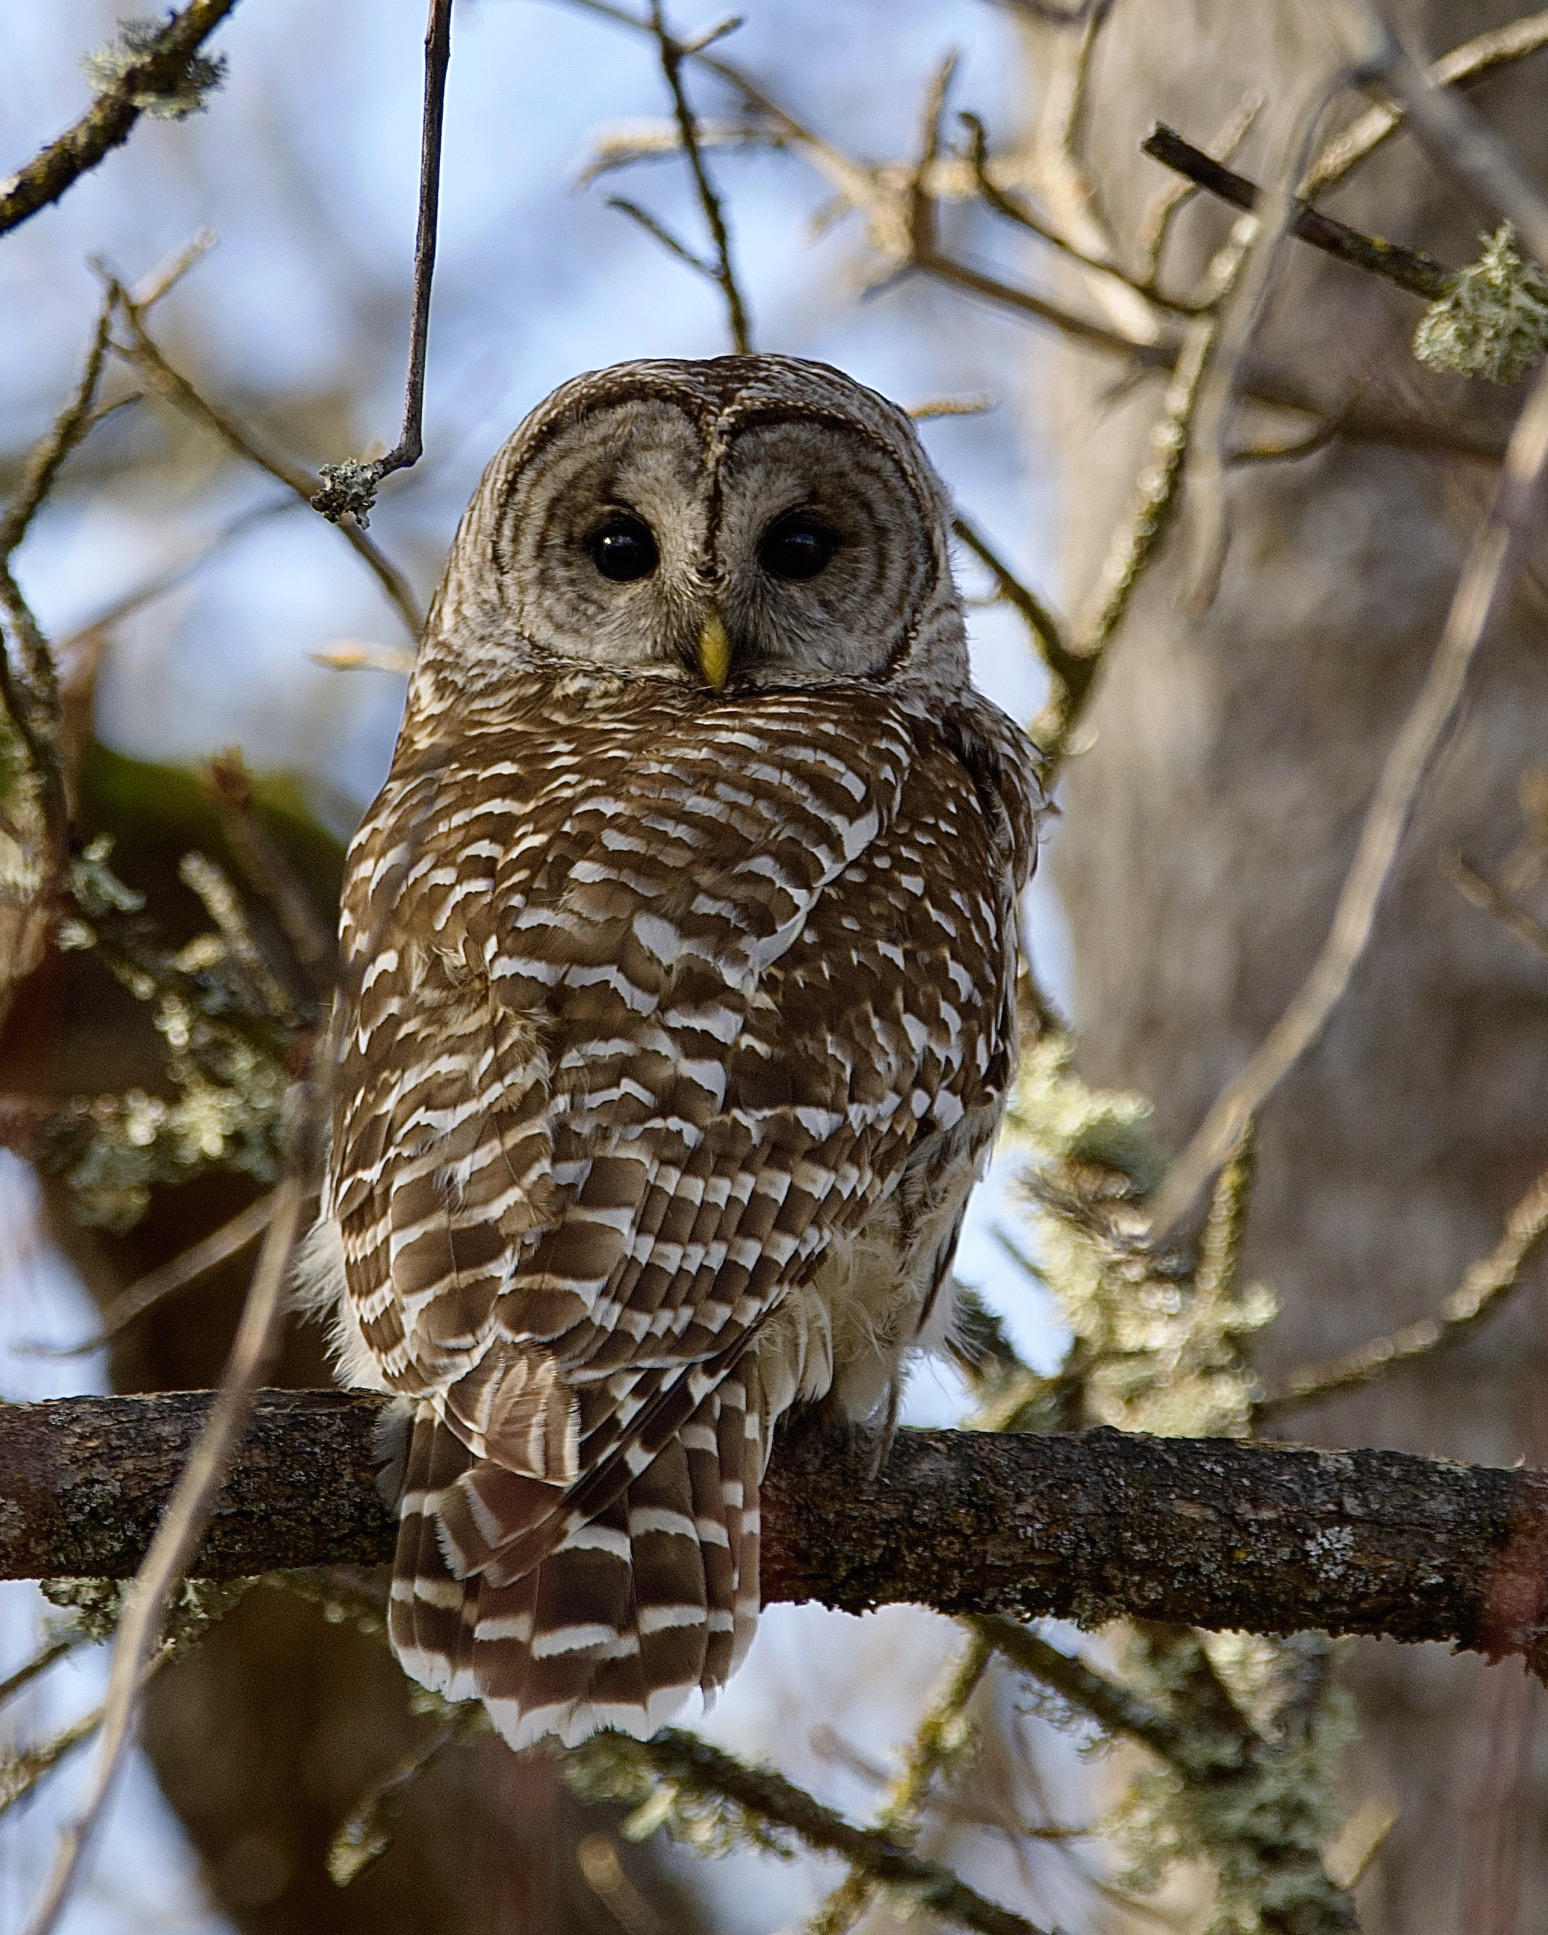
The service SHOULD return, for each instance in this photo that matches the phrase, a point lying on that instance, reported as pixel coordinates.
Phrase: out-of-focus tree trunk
(1208, 826)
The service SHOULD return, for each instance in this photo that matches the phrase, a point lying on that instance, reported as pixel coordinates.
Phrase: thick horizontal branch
(1201, 1532)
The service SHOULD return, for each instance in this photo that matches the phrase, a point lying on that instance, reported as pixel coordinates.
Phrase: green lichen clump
(1493, 323)
(1158, 1343)
(140, 40)
(1262, 1827)
(96, 1606)
(1156, 1349)
(226, 1026)
(348, 490)
(614, 1768)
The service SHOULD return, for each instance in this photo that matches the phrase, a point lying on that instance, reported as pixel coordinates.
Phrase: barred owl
(676, 1016)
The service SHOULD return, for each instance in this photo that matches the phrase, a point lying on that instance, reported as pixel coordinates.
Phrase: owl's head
(739, 522)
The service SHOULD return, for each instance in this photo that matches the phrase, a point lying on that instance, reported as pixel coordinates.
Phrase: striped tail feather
(431, 1612)
(622, 1614)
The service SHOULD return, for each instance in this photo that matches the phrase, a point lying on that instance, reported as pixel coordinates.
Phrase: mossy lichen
(1493, 322)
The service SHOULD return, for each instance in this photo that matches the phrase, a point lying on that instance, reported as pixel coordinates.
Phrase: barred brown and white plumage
(676, 1016)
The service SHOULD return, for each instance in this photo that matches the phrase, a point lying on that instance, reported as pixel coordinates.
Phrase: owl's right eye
(623, 549)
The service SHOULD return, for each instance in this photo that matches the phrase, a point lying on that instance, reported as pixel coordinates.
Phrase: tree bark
(1208, 826)
(1091, 1527)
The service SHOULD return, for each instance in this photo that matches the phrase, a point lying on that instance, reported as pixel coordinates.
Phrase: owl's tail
(629, 1612)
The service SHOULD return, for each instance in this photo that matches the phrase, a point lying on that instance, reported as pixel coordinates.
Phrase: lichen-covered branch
(349, 489)
(1206, 1532)
(159, 77)
(941, 1738)
(146, 358)
(679, 1775)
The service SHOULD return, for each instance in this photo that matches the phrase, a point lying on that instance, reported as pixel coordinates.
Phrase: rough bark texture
(1209, 824)
(1203, 1532)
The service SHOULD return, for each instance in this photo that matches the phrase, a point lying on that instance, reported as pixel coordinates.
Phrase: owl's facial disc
(777, 546)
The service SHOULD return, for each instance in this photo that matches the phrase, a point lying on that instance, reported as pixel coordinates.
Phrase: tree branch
(178, 1533)
(146, 358)
(106, 124)
(1486, 583)
(1410, 269)
(1204, 1532)
(349, 489)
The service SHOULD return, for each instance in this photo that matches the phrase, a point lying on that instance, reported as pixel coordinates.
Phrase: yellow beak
(715, 652)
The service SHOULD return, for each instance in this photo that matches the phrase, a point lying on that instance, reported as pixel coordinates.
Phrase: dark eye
(623, 549)
(796, 546)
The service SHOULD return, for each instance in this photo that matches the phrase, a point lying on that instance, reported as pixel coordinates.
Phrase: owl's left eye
(623, 549)
(797, 546)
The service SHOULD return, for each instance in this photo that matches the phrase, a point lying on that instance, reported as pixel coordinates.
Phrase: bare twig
(1483, 893)
(1472, 61)
(1114, 1706)
(1156, 225)
(364, 655)
(1027, 302)
(177, 1537)
(29, 689)
(1237, 313)
(1486, 582)
(1281, 450)
(1351, 417)
(659, 232)
(1047, 632)
(146, 357)
(721, 271)
(975, 404)
(46, 1656)
(919, 195)
(624, 145)
(157, 1285)
(366, 1834)
(1482, 1293)
(269, 873)
(1458, 139)
(173, 574)
(1063, 181)
(1410, 269)
(350, 488)
(1138, 538)
(20, 1773)
(938, 1738)
(108, 121)
(29, 686)
(1014, 209)
(698, 1770)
